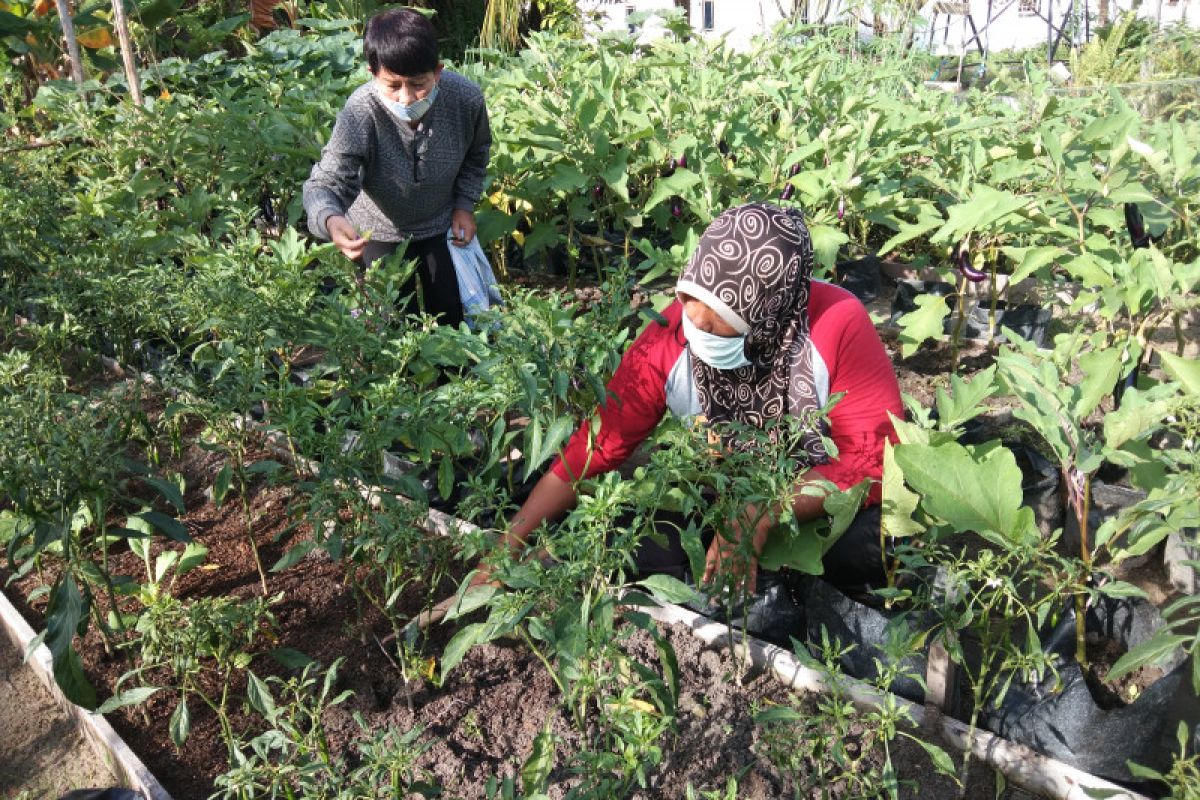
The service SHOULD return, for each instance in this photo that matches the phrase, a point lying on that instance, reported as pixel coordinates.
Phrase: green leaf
(668, 589)
(826, 241)
(265, 467)
(546, 446)
(938, 757)
(1030, 260)
(290, 657)
(535, 772)
(677, 184)
(926, 322)
(799, 547)
(1101, 368)
(475, 597)
(221, 485)
(898, 503)
(171, 527)
(168, 490)
(1157, 648)
(294, 555)
(68, 674)
(1184, 370)
(180, 725)
(965, 400)
(193, 556)
(458, 646)
(776, 714)
(971, 494)
(259, 695)
(130, 697)
(445, 478)
(1123, 589)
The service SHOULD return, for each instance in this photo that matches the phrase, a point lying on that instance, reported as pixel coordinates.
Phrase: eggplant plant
(991, 602)
(1058, 406)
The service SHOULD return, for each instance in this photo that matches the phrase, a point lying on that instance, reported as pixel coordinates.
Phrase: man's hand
(345, 237)
(462, 225)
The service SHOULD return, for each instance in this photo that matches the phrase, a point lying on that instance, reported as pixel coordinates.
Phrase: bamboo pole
(121, 23)
(68, 29)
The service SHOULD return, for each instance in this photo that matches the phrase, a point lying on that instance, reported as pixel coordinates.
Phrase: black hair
(401, 40)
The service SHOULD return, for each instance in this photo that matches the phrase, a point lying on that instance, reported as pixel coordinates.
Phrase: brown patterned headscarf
(753, 267)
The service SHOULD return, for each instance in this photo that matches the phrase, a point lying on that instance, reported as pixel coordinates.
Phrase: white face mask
(413, 111)
(718, 352)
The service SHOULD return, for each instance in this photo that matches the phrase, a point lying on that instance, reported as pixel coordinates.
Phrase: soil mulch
(482, 722)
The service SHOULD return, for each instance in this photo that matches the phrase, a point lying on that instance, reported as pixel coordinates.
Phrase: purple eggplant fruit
(841, 207)
(681, 162)
(598, 191)
(676, 207)
(669, 169)
(788, 191)
(967, 269)
(1139, 235)
(795, 170)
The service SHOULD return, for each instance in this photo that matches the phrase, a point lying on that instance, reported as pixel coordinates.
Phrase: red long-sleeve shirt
(655, 375)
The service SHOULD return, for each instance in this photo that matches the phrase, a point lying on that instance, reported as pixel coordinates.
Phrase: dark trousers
(855, 559)
(435, 279)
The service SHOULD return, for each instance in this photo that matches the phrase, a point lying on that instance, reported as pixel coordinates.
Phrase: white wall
(741, 20)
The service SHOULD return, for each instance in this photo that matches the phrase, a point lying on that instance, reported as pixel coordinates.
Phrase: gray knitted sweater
(396, 182)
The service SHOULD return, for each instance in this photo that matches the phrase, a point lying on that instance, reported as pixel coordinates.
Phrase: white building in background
(1013, 24)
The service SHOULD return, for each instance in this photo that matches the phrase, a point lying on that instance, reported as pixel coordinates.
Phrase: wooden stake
(68, 29)
(122, 25)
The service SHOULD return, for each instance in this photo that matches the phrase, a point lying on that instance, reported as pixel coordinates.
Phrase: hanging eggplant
(967, 268)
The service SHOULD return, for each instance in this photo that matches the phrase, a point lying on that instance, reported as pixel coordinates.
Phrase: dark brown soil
(1102, 653)
(482, 722)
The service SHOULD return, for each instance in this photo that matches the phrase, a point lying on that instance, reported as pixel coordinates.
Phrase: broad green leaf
(1122, 589)
(445, 478)
(799, 547)
(535, 772)
(1029, 260)
(668, 589)
(1151, 652)
(474, 598)
(965, 399)
(193, 556)
(171, 527)
(826, 241)
(677, 184)
(290, 657)
(221, 485)
(925, 323)
(1184, 370)
(259, 695)
(68, 674)
(898, 503)
(1101, 368)
(458, 646)
(129, 697)
(168, 490)
(908, 232)
(969, 494)
(180, 725)
(775, 714)
(938, 757)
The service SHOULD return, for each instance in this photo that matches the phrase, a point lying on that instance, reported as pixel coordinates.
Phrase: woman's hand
(345, 237)
(462, 225)
(723, 558)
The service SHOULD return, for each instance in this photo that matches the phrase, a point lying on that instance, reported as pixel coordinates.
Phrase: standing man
(405, 163)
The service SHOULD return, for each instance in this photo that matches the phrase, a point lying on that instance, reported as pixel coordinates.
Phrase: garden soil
(482, 722)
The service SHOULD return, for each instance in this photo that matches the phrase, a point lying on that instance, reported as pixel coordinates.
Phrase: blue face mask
(718, 352)
(413, 111)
